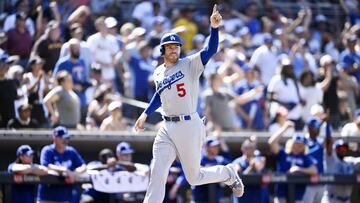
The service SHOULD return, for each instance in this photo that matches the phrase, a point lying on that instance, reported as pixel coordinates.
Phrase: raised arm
(274, 139)
(212, 46)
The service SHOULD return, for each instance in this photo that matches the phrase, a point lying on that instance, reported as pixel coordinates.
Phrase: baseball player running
(183, 133)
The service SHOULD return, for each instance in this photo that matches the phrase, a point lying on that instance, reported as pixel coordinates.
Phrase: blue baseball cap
(299, 138)
(313, 122)
(211, 142)
(5, 58)
(25, 150)
(124, 148)
(62, 132)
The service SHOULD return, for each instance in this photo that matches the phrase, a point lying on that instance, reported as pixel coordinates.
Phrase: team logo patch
(172, 38)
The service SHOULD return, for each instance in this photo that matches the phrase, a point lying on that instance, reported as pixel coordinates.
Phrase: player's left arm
(207, 52)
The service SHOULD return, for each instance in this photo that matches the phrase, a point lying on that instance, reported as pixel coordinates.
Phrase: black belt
(343, 199)
(177, 118)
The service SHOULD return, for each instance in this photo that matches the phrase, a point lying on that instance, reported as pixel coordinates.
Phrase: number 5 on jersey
(181, 90)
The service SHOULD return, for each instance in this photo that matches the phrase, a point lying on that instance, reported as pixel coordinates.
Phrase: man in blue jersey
(292, 160)
(25, 193)
(66, 161)
(314, 193)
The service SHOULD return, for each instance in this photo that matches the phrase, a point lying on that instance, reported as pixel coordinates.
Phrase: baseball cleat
(237, 186)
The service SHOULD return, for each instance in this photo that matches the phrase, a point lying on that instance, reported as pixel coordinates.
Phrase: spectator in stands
(350, 58)
(24, 120)
(349, 89)
(10, 21)
(144, 14)
(16, 73)
(48, 46)
(252, 114)
(316, 146)
(301, 58)
(37, 84)
(283, 90)
(19, 40)
(79, 72)
(187, 20)
(252, 17)
(82, 15)
(63, 103)
(174, 182)
(251, 162)
(265, 60)
(104, 47)
(211, 156)
(115, 122)
(24, 193)
(77, 32)
(291, 160)
(329, 81)
(98, 107)
(311, 93)
(6, 100)
(66, 161)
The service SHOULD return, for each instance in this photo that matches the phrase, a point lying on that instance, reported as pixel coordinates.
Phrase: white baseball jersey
(178, 86)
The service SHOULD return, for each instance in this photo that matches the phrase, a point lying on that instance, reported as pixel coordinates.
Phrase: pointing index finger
(214, 8)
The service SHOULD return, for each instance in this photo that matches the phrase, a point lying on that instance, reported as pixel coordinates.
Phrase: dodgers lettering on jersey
(178, 86)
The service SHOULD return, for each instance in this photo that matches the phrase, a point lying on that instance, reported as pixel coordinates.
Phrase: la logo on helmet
(172, 38)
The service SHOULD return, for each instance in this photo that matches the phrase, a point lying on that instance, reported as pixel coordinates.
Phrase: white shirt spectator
(104, 49)
(232, 25)
(312, 95)
(285, 93)
(266, 61)
(10, 23)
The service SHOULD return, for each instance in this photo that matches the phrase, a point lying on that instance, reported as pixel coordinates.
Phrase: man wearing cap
(19, 40)
(291, 160)
(7, 110)
(24, 120)
(115, 122)
(24, 193)
(211, 157)
(316, 146)
(104, 48)
(350, 58)
(66, 161)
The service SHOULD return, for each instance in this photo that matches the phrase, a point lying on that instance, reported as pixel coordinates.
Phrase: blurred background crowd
(88, 64)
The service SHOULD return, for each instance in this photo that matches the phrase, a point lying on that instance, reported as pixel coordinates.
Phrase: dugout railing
(6, 179)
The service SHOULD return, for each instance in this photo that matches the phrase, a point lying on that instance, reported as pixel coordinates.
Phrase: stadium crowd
(84, 65)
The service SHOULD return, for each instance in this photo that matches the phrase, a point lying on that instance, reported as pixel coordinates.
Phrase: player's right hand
(140, 122)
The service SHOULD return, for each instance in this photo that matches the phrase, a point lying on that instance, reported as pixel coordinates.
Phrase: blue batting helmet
(169, 38)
